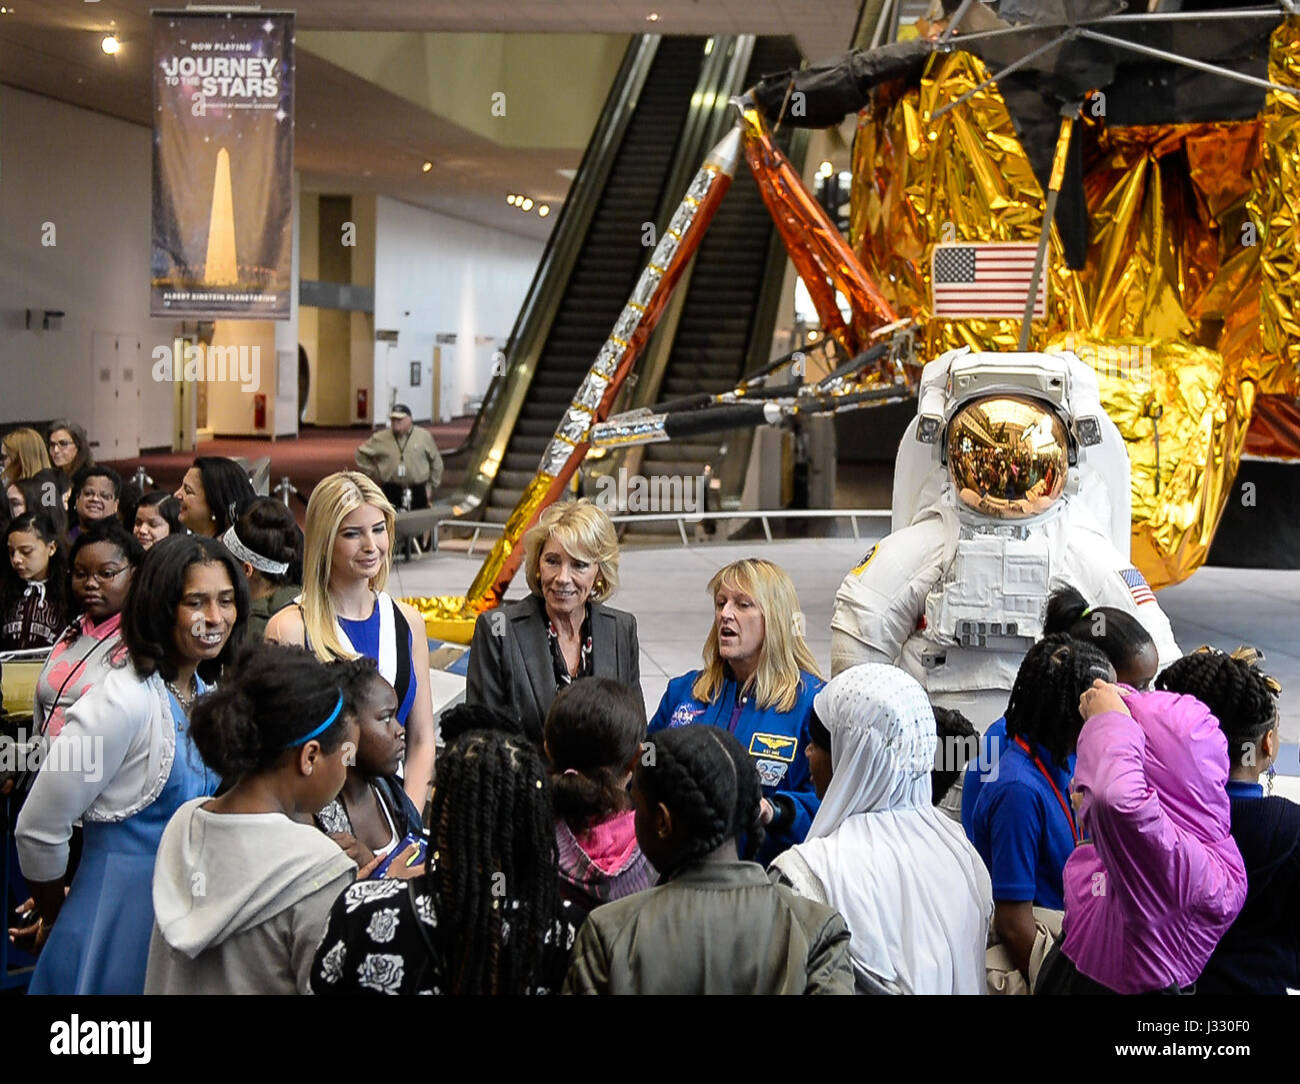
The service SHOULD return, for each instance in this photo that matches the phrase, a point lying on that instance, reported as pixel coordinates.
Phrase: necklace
(185, 702)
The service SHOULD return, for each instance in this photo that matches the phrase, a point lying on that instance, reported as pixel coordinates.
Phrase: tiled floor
(664, 587)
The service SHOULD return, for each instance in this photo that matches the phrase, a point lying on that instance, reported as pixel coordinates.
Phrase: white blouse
(111, 760)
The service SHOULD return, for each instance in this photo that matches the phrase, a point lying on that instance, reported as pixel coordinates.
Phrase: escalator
(730, 309)
(608, 265)
(666, 109)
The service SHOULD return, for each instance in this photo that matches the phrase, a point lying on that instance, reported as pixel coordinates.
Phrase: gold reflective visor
(1008, 456)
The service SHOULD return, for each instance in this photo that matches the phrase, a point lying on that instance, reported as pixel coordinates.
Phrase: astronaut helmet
(1008, 455)
(1004, 423)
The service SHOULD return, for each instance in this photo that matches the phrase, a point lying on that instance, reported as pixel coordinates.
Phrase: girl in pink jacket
(1159, 878)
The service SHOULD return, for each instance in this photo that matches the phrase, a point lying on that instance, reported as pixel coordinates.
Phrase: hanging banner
(222, 165)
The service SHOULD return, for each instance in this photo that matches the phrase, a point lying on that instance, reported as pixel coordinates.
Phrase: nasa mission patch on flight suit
(773, 754)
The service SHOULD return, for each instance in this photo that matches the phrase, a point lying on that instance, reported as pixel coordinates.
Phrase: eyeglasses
(103, 575)
(63, 444)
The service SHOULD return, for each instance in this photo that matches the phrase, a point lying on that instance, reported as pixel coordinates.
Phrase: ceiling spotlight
(543, 210)
(527, 205)
(426, 167)
(825, 169)
(812, 336)
(653, 17)
(110, 44)
(512, 200)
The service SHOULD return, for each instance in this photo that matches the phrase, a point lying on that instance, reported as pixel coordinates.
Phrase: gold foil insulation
(1172, 278)
(1274, 206)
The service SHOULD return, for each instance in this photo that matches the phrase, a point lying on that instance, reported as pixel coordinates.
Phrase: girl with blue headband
(243, 883)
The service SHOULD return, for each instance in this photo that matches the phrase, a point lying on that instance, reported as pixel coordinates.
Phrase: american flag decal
(986, 281)
(1137, 586)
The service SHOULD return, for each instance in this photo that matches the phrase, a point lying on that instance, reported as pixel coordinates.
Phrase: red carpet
(305, 459)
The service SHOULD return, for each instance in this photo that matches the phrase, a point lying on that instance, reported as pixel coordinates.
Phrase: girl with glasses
(104, 560)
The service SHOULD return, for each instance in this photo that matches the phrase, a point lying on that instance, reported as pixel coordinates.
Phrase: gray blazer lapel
(530, 635)
(604, 642)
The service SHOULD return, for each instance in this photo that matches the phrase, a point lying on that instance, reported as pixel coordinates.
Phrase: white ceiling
(353, 136)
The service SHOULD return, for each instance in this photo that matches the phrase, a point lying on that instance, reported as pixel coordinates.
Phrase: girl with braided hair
(486, 916)
(714, 924)
(1260, 953)
(1022, 824)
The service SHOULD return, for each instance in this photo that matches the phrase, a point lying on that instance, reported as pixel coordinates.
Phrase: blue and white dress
(386, 637)
(124, 763)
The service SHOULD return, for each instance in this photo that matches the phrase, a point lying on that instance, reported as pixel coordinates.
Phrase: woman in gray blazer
(524, 652)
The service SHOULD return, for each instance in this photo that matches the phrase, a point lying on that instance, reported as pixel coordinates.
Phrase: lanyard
(1065, 806)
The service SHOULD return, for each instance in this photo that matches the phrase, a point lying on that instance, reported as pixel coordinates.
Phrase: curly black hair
(272, 695)
(1044, 704)
(1240, 695)
(466, 717)
(710, 786)
(494, 869)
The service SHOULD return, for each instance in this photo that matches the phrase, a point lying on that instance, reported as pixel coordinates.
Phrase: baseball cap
(400, 410)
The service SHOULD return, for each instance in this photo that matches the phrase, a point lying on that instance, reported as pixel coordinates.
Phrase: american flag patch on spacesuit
(1137, 586)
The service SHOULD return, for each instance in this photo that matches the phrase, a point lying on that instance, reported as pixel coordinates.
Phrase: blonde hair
(784, 652)
(27, 454)
(586, 533)
(332, 501)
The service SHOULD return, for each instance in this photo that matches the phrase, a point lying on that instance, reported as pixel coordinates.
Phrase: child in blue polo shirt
(1023, 825)
(1120, 636)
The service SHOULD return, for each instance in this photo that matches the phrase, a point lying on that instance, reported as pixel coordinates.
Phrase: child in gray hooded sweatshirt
(243, 887)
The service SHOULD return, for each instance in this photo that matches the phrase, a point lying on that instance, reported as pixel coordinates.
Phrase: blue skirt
(100, 941)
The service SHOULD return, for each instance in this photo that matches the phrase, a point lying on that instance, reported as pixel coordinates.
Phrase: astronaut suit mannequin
(1010, 483)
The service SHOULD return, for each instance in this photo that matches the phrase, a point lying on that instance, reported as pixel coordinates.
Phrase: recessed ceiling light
(653, 17)
(825, 169)
(527, 205)
(110, 44)
(512, 200)
(543, 210)
(426, 167)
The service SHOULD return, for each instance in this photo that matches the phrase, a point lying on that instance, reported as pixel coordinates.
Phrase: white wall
(89, 175)
(439, 275)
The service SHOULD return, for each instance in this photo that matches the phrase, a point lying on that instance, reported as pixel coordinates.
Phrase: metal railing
(764, 516)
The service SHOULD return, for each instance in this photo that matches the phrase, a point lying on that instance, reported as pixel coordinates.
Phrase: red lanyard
(1065, 806)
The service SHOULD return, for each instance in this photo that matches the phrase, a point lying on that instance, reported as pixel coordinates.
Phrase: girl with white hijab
(914, 892)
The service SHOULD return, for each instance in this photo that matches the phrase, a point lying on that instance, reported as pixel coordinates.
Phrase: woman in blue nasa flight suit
(758, 682)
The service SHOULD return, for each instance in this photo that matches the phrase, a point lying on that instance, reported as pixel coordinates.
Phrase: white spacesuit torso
(956, 598)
